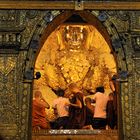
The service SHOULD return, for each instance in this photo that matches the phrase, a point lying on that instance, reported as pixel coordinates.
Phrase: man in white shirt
(61, 106)
(100, 115)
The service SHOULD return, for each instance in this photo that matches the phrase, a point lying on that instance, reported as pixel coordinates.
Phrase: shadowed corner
(1, 137)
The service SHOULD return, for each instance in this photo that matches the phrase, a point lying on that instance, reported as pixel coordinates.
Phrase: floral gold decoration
(74, 54)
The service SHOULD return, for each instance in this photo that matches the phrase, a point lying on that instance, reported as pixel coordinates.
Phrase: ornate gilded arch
(101, 20)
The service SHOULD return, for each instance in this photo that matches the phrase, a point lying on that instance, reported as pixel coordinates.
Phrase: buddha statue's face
(75, 36)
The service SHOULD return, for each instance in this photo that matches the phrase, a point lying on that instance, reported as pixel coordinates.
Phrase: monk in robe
(38, 112)
(77, 111)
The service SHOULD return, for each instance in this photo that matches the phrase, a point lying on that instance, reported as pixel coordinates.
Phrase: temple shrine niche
(74, 53)
(37, 36)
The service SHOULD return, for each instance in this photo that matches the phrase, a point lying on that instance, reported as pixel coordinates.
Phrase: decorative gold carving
(8, 101)
(8, 16)
(79, 5)
(76, 55)
(31, 24)
(129, 98)
(6, 65)
(96, 5)
(75, 67)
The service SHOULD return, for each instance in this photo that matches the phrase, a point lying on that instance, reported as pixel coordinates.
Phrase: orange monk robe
(39, 115)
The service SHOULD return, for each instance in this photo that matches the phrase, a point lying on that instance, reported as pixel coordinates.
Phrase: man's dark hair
(60, 92)
(100, 89)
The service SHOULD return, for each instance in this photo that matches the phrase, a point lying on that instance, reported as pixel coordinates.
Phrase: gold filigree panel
(8, 96)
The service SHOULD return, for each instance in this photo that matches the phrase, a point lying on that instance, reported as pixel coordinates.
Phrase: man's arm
(91, 108)
(78, 104)
(93, 100)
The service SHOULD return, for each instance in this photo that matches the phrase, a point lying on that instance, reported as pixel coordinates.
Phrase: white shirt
(62, 106)
(100, 105)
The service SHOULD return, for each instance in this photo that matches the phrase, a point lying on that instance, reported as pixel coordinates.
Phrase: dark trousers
(99, 123)
(61, 122)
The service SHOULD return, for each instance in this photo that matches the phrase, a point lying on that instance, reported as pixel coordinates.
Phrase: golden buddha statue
(76, 54)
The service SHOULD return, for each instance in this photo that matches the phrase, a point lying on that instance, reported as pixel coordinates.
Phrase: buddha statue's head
(75, 36)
